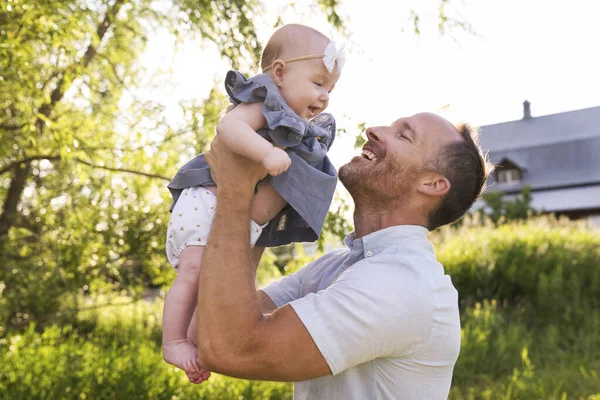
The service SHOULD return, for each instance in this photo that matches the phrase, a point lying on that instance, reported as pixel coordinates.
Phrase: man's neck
(369, 219)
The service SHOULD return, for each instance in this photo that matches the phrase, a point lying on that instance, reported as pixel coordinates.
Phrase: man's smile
(369, 155)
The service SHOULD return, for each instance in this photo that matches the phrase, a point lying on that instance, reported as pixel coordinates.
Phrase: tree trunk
(17, 185)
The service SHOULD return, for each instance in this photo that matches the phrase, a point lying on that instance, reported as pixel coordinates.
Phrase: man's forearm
(227, 299)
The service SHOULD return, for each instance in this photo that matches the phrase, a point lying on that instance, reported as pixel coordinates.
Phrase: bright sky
(545, 51)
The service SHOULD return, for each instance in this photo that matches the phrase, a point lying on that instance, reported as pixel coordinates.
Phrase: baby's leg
(192, 337)
(266, 205)
(178, 310)
(192, 332)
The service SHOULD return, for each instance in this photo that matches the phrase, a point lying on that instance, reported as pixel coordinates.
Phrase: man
(377, 320)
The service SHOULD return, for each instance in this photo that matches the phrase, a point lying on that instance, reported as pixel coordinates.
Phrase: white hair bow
(333, 55)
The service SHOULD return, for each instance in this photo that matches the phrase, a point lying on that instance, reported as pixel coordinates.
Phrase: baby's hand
(276, 161)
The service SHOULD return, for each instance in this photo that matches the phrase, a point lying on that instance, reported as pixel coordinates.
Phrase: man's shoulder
(417, 278)
(328, 258)
(400, 260)
(325, 264)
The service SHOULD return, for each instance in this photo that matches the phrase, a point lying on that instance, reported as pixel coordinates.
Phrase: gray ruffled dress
(308, 184)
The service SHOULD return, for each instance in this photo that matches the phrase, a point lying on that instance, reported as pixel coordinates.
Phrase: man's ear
(277, 71)
(434, 185)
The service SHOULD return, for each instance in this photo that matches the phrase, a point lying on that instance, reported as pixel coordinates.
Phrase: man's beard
(378, 185)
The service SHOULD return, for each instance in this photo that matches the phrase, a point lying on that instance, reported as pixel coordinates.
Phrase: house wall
(595, 220)
(593, 216)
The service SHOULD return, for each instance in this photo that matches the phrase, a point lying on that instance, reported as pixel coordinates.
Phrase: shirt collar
(377, 241)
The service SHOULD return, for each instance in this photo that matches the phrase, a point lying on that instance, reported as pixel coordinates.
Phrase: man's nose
(373, 134)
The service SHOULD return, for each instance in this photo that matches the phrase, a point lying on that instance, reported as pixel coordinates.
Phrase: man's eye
(318, 84)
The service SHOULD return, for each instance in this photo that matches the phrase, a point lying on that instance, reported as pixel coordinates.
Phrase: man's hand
(228, 168)
(276, 161)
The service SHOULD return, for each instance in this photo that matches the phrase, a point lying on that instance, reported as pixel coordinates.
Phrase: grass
(530, 317)
(114, 353)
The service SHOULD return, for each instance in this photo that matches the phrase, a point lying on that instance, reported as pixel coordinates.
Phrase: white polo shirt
(383, 314)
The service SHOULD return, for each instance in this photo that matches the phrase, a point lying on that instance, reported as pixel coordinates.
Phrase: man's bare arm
(239, 339)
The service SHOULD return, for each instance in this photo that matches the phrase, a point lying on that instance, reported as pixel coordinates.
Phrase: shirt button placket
(369, 253)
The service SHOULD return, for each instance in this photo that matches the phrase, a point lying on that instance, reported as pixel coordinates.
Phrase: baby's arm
(238, 129)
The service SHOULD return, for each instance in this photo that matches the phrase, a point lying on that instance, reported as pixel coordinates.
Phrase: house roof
(556, 150)
(544, 130)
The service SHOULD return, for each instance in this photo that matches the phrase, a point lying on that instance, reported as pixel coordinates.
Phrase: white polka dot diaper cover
(191, 220)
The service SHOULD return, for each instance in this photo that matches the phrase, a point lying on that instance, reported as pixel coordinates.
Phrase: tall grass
(529, 299)
(529, 294)
(113, 353)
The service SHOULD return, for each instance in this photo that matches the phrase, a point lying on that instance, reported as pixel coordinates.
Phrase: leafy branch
(79, 160)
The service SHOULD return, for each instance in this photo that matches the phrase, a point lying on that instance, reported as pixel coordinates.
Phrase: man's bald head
(293, 40)
(437, 122)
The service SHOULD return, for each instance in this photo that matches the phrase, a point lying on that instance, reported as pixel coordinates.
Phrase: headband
(330, 57)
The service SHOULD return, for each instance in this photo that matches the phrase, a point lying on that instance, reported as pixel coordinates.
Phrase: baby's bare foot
(184, 356)
(202, 374)
(198, 377)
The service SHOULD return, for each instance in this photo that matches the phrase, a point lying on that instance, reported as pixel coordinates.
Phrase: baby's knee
(189, 266)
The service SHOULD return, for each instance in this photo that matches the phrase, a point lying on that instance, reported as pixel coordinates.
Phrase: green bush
(119, 359)
(117, 356)
(525, 333)
(546, 270)
(529, 293)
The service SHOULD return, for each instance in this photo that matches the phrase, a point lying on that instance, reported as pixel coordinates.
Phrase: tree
(82, 193)
(84, 159)
(501, 210)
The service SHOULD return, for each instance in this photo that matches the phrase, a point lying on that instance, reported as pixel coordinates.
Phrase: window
(509, 176)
